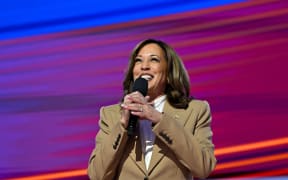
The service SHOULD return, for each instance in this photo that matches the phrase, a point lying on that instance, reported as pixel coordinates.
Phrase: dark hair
(177, 84)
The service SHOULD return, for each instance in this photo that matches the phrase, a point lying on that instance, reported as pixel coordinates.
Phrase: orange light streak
(65, 174)
(222, 151)
(251, 161)
(270, 173)
(251, 146)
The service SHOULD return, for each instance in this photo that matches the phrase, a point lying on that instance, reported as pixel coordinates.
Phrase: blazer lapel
(159, 147)
(136, 154)
(159, 150)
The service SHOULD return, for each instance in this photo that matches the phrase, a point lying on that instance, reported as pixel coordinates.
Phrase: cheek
(160, 80)
(135, 71)
(163, 79)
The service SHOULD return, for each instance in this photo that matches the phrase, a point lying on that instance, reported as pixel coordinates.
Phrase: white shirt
(146, 134)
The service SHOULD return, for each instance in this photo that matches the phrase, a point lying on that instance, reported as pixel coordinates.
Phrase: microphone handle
(132, 124)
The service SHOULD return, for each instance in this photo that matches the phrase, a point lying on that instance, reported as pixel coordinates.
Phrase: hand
(140, 106)
(125, 113)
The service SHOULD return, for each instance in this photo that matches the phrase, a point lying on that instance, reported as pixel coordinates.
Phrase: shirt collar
(159, 100)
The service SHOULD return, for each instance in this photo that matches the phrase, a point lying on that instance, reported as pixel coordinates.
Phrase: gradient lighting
(53, 84)
(24, 18)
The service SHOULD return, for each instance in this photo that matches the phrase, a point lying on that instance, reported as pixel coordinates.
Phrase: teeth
(147, 77)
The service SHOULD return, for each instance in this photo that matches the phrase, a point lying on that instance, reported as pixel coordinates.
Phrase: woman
(173, 138)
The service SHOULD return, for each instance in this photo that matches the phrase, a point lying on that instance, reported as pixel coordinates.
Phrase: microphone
(140, 85)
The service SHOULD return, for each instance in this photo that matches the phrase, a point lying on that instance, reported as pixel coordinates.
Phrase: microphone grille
(141, 85)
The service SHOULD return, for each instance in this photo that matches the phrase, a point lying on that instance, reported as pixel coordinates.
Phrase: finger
(132, 107)
(147, 98)
(138, 98)
(137, 94)
(124, 106)
(128, 97)
(140, 108)
(139, 111)
(137, 107)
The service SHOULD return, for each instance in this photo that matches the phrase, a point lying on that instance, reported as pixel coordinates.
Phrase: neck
(154, 96)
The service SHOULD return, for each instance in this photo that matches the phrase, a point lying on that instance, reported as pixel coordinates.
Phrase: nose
(145, 65)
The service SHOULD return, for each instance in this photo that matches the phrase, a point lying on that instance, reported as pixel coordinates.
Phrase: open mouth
(148, 77)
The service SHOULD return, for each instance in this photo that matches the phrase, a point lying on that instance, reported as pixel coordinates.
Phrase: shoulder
(198, 104)
(110, 113)
(113, 107)
(195, 105)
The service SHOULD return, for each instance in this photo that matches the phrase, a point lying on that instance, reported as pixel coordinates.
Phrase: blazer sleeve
(191, 143)
(110, 142)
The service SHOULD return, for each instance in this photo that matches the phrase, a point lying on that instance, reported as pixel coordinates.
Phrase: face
(150, 63)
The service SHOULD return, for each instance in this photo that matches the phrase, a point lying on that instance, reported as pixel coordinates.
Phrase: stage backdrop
(60, 61)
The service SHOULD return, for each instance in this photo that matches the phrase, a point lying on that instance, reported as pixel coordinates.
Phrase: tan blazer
(183, 146)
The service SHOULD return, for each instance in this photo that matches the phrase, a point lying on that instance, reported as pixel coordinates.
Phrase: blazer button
(114, 146)
(146, 178)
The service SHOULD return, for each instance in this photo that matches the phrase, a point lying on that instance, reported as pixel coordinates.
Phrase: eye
(155, 59)
(137, 60)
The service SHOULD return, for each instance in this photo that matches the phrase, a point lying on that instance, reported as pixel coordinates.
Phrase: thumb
(147, 98)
